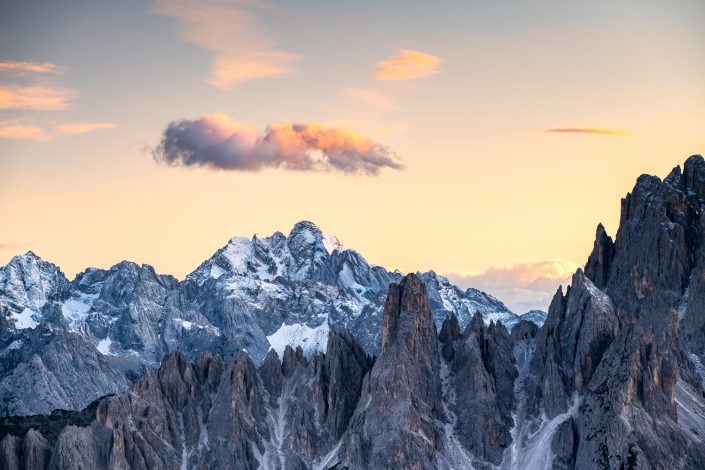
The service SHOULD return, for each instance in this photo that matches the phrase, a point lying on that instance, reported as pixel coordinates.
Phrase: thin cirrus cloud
(28, 67)
(219, 142)
(232, 32)
(22, 93)
(408, 64)
(24, 88)
(8, 246)
(18, 131)
(15, 130)
(521, 286)
(41, 98)
(587, 130)
(75, 128)
(373, 99)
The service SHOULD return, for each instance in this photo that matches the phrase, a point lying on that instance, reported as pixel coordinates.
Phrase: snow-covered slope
(253, 294)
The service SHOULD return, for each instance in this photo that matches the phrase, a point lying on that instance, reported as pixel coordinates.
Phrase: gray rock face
(32, 451)
(483, 372)
(216, 414)
(599, 263)
(658, 244)
(109, 326)
(580, 326)
(524, 330)
(614, 382)
(341, 408)
(396, 425)
(630, 411)
(47, 371)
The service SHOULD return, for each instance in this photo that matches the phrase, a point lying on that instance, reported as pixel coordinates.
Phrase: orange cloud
(13, 130)
(25, 67)
(231, 31)
(75, 128)
(408, 64)
(218, 141)
(587, 130)
(374, 99)
(35, 97)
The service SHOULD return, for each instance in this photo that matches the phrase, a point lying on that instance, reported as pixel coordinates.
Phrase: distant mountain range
(71, 342)
(612, 379)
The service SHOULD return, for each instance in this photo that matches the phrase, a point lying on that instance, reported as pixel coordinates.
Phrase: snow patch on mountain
(25, 319)
(298, 334)
(331, 243)
(75, 310)
(538, 317)
(104, 346)
(536, 452)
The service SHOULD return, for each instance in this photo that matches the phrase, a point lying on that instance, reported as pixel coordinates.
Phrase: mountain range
(612, 379)
(71, 342)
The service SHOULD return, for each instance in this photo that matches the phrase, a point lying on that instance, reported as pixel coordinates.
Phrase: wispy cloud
(19, 131)
(588, 130)
(35, 97)
(371, 98)
(408, 64)
(8, 246)
(232, 32)
(522, 286)
(23, 88)
(75, 128)
(218, 141)
(28, 67)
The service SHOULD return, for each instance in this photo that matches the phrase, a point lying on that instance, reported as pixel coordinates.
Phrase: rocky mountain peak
(253, 293)
(407, 322)
(305, 235)
(599, 263)
(28, 282)
(694, 175)
(403, 387)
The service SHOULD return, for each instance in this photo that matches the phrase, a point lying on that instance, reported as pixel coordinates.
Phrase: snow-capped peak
(306, 231)
(331, 243)
(27, 282)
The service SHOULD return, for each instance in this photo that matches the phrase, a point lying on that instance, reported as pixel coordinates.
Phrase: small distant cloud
(75, 128)
(40, 98)
(522, 286)
(8, 246)
(28, 67)
(18, 131)
(588, 130)
(218, 141)
(408, 64)
(370, 97)
(231, 31)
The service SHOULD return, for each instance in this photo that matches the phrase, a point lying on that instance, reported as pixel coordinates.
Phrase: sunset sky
(483, 140)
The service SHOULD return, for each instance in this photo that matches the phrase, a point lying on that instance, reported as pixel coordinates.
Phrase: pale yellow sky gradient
(484, 184)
